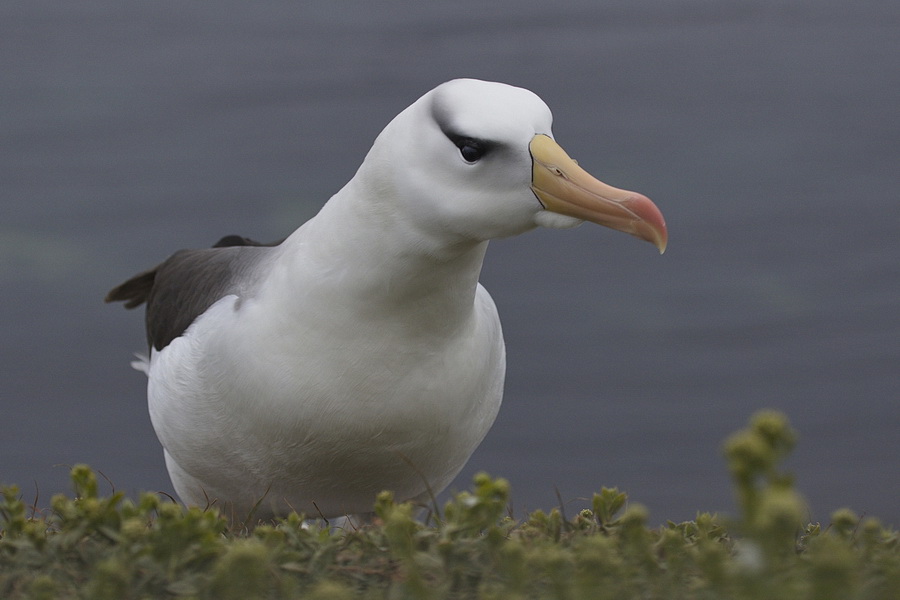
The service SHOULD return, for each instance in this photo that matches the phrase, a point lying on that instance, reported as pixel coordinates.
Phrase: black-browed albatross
(361, 354)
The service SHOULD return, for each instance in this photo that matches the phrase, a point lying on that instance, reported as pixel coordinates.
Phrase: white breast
(320, 416)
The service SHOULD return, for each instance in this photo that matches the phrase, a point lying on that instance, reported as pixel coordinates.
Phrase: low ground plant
(94, 546)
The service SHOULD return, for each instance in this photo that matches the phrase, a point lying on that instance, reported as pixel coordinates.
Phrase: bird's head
(477, 160)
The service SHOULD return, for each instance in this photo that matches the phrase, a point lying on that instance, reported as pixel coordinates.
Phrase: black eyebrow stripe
(461, 140)
(441, 116)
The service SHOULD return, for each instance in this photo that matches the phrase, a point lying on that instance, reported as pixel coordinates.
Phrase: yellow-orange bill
(565, 188)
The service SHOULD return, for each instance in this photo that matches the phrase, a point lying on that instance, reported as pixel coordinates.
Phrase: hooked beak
(563, 187)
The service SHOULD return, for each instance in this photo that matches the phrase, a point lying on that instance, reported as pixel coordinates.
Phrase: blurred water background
(767, 131)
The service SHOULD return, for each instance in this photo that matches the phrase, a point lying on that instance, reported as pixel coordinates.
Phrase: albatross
(361, 353)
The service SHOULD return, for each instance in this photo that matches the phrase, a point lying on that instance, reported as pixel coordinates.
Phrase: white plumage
(361, 353)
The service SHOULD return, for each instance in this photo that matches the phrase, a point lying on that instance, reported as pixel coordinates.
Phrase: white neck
(364, 259)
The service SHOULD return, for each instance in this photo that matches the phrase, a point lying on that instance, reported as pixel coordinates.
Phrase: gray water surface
(766, 131)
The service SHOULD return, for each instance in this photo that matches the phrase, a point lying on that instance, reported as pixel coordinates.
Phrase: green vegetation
(96, 547)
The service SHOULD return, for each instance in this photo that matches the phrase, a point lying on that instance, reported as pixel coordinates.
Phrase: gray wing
(181, 288)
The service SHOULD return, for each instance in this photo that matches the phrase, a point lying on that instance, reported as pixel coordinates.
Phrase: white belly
(317, 417)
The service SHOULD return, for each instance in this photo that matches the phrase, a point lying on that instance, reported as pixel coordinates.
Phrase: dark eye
(471, 150)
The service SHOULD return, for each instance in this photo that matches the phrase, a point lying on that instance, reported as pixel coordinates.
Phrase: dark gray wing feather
(186, 284)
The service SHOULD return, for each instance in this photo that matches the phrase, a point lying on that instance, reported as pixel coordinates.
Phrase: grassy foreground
(98, 548)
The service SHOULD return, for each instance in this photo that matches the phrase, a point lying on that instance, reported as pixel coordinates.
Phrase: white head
(475, 160)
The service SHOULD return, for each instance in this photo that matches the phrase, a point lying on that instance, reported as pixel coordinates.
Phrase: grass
(109, 547)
